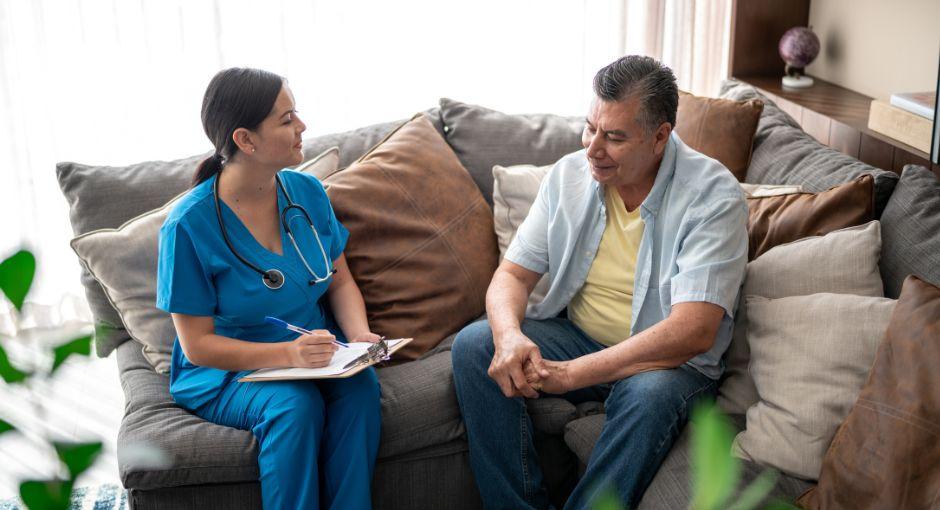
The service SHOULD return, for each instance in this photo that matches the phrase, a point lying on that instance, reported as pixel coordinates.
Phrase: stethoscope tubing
(274, 278)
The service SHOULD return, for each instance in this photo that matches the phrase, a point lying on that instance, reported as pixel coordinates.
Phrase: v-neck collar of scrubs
(234, 225)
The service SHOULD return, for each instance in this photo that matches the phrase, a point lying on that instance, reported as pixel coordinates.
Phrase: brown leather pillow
(885, 453)
(785, 218)
(721, 129)
(421, 245)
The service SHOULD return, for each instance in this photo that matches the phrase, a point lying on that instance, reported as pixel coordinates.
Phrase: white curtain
(115, 82)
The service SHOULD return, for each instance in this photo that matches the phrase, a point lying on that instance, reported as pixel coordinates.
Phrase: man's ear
(244, 140)
(662, 138)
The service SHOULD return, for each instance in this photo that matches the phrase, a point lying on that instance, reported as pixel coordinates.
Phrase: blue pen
(295, 329)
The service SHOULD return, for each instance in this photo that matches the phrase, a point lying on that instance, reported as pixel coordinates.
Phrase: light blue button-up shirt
(694, 246)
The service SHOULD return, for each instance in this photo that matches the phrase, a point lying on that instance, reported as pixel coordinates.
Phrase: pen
(296, 329)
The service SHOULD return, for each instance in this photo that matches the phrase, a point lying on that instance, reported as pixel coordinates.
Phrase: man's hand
(513, 351)
(555, 377)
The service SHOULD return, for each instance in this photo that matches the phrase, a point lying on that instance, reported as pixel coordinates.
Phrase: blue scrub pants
(318, 439)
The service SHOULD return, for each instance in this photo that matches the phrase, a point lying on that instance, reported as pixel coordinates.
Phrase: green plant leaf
(78, 457)
(715, 471)
(756, 491)
(5, 427)
(16, 276)
(80, 346)
(10, 373)
(780, 505)
(46, 494)
(607, 500)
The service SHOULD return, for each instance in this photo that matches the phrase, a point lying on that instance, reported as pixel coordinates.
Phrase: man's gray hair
(646, 79)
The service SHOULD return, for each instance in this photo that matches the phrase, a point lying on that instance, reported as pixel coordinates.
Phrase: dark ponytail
(235, 98)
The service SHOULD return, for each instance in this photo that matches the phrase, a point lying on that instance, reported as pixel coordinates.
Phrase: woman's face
(278, 141)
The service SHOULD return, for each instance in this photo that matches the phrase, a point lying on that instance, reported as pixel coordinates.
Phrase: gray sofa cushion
(106, 197)
(198, 452)
(910, 237)
(483, 138)
(785, 154)
(672, 486)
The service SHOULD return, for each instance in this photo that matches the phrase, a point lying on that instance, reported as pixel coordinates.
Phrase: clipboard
(335, 370)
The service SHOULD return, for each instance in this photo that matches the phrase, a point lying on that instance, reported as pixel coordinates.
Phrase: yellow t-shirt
(603, 307)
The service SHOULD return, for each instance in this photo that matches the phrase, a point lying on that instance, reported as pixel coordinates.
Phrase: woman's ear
(244, 139)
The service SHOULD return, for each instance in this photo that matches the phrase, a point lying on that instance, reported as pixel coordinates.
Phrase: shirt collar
(667, 168)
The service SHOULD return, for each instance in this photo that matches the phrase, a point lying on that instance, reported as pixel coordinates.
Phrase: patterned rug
(101, 497)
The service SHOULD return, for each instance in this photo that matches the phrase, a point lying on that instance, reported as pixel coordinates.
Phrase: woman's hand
(368, 336)
(311, 351)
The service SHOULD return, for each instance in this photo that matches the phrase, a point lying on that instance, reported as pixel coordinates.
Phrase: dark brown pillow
(885, 454)
(421, 246)
(785, 218)
(721, 129)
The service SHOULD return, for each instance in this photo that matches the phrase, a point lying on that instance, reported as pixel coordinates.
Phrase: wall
(877, 47)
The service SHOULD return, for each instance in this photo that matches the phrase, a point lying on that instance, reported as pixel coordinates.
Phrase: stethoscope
(274, 278)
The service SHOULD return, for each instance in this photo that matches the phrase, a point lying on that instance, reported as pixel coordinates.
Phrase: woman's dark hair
(235, 98)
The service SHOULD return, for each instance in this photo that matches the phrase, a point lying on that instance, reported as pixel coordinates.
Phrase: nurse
(235, 250)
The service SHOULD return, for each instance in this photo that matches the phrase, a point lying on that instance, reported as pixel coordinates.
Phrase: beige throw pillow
(514, 191)
(810, 357)
(841, 262)
(124, 262)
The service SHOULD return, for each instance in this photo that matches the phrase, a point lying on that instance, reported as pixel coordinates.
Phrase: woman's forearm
(234, 355)
(349, 309)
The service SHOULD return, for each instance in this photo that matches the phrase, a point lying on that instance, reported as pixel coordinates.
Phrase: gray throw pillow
(108, 196)
(911, 230)
(483, 138)
(785, 154)
(123, 261)
(842, 262)
(810, 358)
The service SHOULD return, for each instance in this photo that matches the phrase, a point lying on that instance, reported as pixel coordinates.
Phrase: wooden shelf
(838, 117)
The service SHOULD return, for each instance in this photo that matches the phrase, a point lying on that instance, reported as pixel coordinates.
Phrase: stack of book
(907, 118)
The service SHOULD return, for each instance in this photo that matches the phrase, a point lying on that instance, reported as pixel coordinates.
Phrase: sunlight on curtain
(116, 82)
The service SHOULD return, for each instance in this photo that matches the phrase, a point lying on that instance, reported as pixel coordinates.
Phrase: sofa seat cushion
(102, 197)
(672, 485)
(785, 154)
(184, 449)
(419, 406)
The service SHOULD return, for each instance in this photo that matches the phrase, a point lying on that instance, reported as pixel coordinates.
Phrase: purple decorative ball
(798, 47)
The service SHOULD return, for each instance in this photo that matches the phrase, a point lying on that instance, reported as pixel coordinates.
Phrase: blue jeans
(317, 439)
(645, 414)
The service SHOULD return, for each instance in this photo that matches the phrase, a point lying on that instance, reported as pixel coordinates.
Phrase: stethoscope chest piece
(273, 279)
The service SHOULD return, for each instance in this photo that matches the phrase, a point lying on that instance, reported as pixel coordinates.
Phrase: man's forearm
(506, 300)
(666, 345)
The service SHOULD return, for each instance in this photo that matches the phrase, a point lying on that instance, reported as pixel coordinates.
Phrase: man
(645, 243)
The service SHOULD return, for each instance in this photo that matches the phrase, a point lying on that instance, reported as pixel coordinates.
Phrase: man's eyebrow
(617, 132)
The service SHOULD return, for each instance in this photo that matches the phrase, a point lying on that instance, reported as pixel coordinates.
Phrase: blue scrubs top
(198, 274)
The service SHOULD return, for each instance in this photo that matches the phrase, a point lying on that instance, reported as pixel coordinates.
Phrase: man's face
(620, 149)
